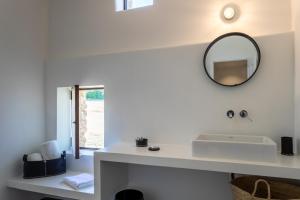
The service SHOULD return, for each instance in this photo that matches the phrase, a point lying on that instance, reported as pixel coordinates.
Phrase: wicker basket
(258, 188)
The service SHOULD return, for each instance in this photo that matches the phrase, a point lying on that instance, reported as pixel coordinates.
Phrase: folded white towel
(79, 181)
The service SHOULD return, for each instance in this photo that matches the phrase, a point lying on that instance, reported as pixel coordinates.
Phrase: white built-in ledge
(52, 186)
(180, 156)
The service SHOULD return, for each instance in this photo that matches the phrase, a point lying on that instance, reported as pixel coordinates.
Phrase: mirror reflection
(232, 59)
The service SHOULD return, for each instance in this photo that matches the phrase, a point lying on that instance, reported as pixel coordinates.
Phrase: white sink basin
(235, 147)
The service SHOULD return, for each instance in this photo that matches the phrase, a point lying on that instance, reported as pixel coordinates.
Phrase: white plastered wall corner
(296, 26)
(23, 44)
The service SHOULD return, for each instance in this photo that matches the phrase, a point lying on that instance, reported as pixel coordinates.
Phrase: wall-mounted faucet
(243, 114)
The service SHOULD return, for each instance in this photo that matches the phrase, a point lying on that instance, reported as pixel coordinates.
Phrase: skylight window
(123, 5)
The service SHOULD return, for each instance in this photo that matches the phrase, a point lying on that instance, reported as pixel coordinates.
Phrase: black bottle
(287, 147)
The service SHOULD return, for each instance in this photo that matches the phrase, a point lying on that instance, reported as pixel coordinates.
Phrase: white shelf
(180, 156)
(52, 186)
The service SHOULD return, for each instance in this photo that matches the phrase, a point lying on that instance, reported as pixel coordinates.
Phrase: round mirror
(232, 59)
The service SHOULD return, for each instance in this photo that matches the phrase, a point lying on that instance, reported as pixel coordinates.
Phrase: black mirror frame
(228, 35)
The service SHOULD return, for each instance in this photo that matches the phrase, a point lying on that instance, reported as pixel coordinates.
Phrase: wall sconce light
(230, 13)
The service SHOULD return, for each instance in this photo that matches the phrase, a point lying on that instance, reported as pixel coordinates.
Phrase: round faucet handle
(244, 113)
(230, 114)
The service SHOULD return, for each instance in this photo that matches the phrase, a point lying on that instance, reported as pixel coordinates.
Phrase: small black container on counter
(287, 147)
(141, 142)
(38, 169)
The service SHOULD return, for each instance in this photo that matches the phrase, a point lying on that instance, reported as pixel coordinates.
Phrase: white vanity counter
(52, 186)
(180, 156)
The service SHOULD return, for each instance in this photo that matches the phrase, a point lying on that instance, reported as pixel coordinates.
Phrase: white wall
(296, 23)
(22, 53)
(165, 95)
(90, 27)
